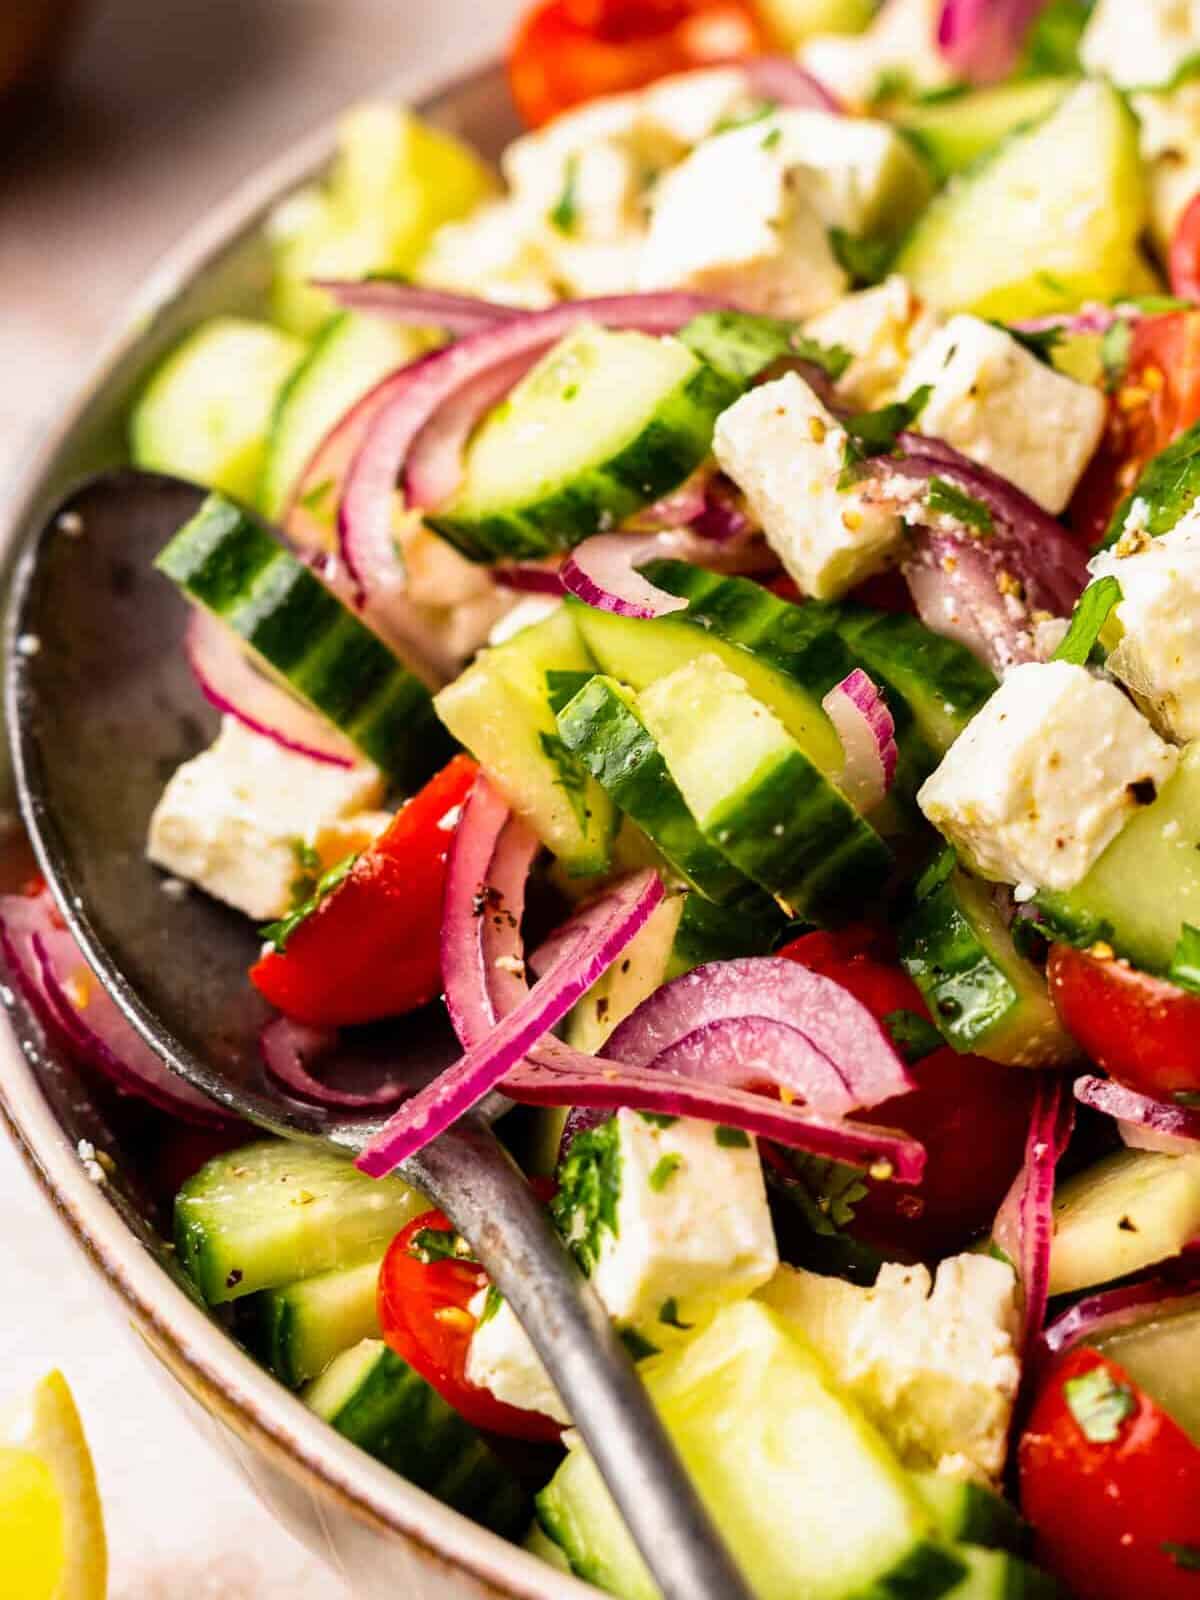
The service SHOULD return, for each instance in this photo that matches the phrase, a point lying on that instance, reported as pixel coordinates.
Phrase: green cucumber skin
(395, 1416)
(754, 926)
(227, 562)
(966, 992)
(606, 733)
(295, 1339)
(667, 450)
(967, 1513)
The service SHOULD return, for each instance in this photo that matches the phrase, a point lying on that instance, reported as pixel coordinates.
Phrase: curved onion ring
(863, 723)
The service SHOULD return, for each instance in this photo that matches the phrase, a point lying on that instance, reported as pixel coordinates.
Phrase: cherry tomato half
(1184, 262)
(566, 52)
(1143, 1031)
(971, 1115)
(424, 1317)
(1111, 1484)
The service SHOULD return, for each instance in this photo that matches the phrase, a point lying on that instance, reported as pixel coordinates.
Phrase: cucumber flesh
(206, 413)
(604, 424)
(954, 134)
(968, 1513)
(1146, 885)
(1127, 1212)
(998, 1575)
(759, 1426)
(379, 1403)
(762, 802)
(501, 709)
(275, 1212)
(1051, 220)
(298, 1329)
(986, 998)
(1160, 1356)
(227, 562)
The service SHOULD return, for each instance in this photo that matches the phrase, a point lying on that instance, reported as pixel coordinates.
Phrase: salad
(714, 608)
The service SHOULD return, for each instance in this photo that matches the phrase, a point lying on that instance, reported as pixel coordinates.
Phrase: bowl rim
(194, 1348)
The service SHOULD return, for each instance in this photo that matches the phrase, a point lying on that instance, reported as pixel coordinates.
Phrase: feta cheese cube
(1046, 776)
(501, 1358)
(997, 403)
(730, 220)
(785, 450)
(593, 149)
(1140, 46)
(1155, 627)
(233, 819)
(1169, 140)
(882, 328)
(496, 253)
(933, 1362)
(901, 44)
(679, 111)
(861, 174)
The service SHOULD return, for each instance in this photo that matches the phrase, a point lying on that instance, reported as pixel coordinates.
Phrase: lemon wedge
(52, 1543)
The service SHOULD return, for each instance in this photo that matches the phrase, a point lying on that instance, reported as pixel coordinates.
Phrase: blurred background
(153, 112)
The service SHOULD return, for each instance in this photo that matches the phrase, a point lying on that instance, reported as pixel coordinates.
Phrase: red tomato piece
(1184, 263)
(371, 948)
(1158, 399)
(1111, 1484)
(1142, 1030)
(424, 1317)
(972, 1115)
(566, 52)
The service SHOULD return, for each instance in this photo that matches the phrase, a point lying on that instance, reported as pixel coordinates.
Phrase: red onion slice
(1145, 1124)
(782, 80)
(289, 1047)
(310, 520)
(613, 923)
(760, 1053)
(484, 815)
(528, 577)
(417, 307)
(863, 723)
(602, 572)
(679, 509)
(229, 681)
(983, 39)
(1123, 1307)
(1024, 1227)
(1094, 317)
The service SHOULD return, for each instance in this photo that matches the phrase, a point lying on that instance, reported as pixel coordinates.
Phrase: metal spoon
(101, 709)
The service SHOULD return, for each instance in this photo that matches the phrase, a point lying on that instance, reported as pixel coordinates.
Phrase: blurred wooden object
(33, 34)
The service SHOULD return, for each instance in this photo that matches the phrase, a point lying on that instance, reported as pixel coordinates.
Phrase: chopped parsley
(892, 83)
(317, 501)
(571, 775)
(732, 1138)
(1040, 342)
(913, 1037)
(754, 111)
(439, 1244)
(867, 261)
(1186, 1556)
(668, 1314)
(1169, 486)
(741, 346)
(589, 1187)
(1099, 1404)
(658, 1119)
(492, 1301)
(638, 1346)
(1185, 963)
(771, 138)
(278, 933)
(1052, 43)
(564, 214)
(828, 1191)
(1091, 613)
(997, 1254)
(949, 500)
(1115, 346)
(664, 1171)
(875, 433)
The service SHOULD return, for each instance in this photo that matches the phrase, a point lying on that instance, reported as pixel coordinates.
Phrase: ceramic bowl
(385, 1537)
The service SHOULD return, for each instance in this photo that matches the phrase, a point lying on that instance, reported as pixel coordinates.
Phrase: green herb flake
(1091, 613)
(949, 500)
(665, 1171)
(1099, 1404)
(771, 138)
(1185, 963)
(875, 433)
(440, 1244)
(1040, 342)
(277, 934)
(741, 346)
(1185, 1556)
(318, 501)
(891, 84)
(668, 1314)
(1115, 346)
(306, 857)
(658, 1119)
(732, 1138)
(867, 261)
(1052, 43)
(638, 1346)
(754, 111)
(589, 1187)
(570, 774)
(492, 1301)
(826, 1192)
(564, 215)
(997, 1254)
(913, 1037)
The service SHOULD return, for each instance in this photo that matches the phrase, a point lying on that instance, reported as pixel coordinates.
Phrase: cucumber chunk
(227, 562)
(1127, 1212)
(501, 710)
(296, 1330)
(1146, 885)
(1052, 219)
(206, 413)
(804, 1490)
(968, 1513)
(351, 355)
(757, 796)
(604, 424)
(274, 1212)
(998, 1575)
(954, 134)
(1160, 1356)
(379, 1403)
(986, 998)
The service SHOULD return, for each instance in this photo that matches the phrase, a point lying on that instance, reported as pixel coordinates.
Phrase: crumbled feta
(1140, 46)
(899, 47)
(933, 1362)
(501, 1359)
(497, 253)
(532, 609)
(679, 111)
(233, 819)
(1169, 140)
(1157, 653)
(785, 450)
(1046, 776)
(862, 175)
(883, 328)
(997, 403)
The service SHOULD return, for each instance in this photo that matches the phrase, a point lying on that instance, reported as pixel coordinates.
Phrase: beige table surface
(168, 103)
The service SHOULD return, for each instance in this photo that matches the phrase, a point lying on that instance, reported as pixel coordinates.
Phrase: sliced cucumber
(605, 423)
(1146, 885)
(379, 1403)
(1159, 1354)
(296, 1330)
(1125, 1213)
(274, 1212)
(757, 796)
(226, 561)
(998, 1575)
(986, 998)
(794, 21)
(501, 709)
(1052, 219)
(206, 413)
(351, 355)
(952, 135)
(539, 1543)
(968, 1513)
(760, 1427)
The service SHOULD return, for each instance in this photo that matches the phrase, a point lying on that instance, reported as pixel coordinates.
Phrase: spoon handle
(474, 1181)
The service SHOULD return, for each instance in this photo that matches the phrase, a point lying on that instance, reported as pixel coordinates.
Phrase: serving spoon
(101, 709)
